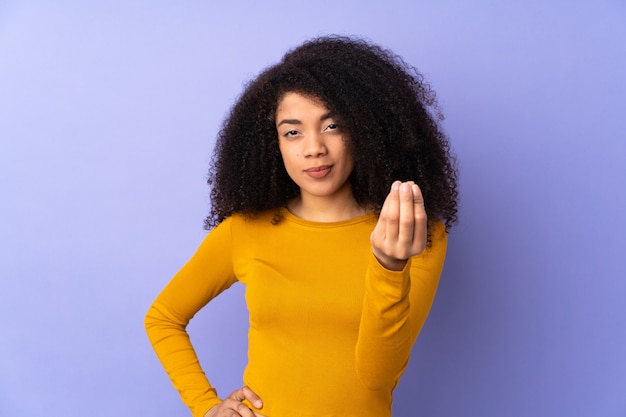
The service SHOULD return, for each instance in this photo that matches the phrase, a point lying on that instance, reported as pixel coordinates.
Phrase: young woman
(332, 189)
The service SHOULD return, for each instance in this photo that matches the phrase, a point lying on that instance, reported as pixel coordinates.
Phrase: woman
(332, 188)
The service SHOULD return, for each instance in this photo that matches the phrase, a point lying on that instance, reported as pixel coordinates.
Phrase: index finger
(246, 393)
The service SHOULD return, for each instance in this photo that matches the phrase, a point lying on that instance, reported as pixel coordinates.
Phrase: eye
(290, 133)
(331, 126)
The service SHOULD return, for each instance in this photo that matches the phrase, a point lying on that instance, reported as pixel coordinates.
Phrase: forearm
(385, 333)
(208, 273)
(173, 347)
(395, 307)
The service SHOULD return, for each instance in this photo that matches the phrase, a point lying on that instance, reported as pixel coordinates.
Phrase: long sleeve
(206, 274)
(395, 307)
(313, 292)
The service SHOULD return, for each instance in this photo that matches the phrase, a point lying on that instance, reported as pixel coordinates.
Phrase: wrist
(390, 263)
(212, 411)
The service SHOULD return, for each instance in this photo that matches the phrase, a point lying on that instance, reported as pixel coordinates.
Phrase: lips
(319, 171)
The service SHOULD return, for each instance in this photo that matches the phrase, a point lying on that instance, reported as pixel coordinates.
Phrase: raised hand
(401, 229)
(233, 406)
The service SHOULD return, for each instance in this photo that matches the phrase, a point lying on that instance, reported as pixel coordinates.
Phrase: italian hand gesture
(401, 229)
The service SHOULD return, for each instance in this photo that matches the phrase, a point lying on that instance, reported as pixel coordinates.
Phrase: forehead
(297, 102)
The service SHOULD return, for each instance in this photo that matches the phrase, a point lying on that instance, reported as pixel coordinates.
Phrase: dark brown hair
(389, 113)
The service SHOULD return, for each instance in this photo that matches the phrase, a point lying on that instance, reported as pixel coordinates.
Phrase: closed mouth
(319, 168)
(318, 172)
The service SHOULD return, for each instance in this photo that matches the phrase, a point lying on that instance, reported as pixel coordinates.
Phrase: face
(314, 149)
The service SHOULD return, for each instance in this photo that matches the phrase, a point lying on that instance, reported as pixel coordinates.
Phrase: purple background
(107, 115)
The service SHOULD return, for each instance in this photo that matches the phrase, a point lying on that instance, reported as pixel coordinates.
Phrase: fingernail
(406, 187)
(396, 185)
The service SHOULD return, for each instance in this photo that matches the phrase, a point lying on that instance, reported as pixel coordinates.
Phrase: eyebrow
(323, 117)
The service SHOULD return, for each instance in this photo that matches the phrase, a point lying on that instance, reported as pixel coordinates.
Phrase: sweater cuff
(391, 284)
(199, 410)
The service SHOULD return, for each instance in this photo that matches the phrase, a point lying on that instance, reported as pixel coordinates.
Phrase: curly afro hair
(389, 113)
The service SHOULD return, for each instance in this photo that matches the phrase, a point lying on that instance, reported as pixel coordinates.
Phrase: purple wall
(107, 114)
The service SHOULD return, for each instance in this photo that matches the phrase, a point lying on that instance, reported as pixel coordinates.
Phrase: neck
(327, 209)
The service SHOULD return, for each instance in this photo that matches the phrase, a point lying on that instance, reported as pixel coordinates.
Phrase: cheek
(347, 156)
(282, 151)
(288, 158)
(288, 153)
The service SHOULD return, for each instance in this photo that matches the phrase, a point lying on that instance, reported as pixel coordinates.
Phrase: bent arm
(395, 307)
(206, 274)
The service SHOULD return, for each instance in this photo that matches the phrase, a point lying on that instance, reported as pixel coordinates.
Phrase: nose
(315, 146)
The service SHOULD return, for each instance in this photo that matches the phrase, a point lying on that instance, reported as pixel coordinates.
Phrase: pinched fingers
(401, 229)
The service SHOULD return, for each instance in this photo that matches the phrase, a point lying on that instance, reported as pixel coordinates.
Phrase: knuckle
(406, 223)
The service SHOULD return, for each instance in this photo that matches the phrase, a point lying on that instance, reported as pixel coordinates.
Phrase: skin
(310, 137)
(232, 406)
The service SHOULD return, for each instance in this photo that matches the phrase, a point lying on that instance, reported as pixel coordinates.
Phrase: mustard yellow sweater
(331, 330)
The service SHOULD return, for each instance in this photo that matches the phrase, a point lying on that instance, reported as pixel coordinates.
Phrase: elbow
(157, 319)
(372, 379)
(150, 320)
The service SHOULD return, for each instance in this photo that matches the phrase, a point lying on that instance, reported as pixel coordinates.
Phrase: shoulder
(239, 223)
(239, 230)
